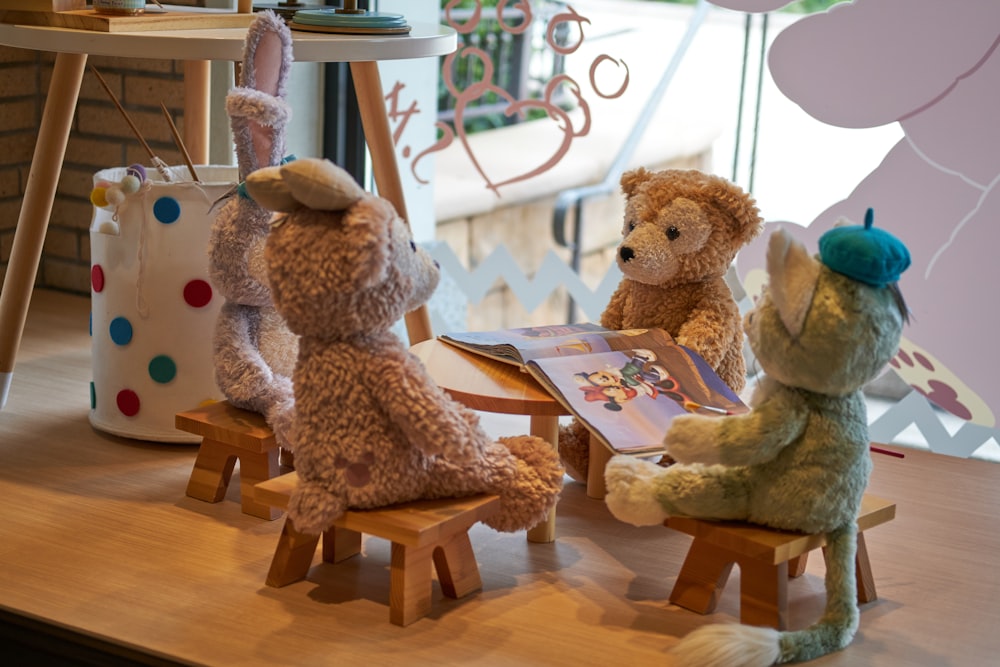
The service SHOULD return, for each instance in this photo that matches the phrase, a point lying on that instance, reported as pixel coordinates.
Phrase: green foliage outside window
(484, 112)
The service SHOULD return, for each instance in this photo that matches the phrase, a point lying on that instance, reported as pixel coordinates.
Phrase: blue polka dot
(162, 369)
(121, 331)
(93, 397)
(166, 210)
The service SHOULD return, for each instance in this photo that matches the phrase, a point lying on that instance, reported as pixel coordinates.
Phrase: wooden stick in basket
(179, 143)
(160, 165)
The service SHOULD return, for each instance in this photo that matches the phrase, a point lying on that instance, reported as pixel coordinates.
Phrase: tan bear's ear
(793, 275)
(367, 251)
(321, 185)
(631, 180)
(267, 187)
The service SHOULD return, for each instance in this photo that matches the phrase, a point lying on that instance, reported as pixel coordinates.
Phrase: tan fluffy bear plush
(371, 427)
(682, 230)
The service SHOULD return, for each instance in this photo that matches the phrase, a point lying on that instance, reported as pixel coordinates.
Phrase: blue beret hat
(864, 253)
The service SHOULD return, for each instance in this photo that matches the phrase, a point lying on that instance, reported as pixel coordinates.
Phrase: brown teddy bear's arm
(431, 420)
(613, 314)
(710, 328)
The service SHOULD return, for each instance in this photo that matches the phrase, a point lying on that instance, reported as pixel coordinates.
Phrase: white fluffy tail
(728, 646)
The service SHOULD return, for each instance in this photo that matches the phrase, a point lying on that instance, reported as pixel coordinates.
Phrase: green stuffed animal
(799, 460)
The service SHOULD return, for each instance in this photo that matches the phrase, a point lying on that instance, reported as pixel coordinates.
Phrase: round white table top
(227, 43)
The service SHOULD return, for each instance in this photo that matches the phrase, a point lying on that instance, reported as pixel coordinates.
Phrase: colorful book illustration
(625, 386)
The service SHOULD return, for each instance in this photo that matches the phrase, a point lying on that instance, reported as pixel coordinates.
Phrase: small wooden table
(493, 386)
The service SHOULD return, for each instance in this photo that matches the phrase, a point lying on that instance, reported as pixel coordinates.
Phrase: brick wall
(100, 139)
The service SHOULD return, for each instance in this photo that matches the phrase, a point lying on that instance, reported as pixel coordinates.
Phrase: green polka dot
(162, 369)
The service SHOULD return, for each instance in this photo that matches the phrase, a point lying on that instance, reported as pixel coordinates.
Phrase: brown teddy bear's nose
(626, 253)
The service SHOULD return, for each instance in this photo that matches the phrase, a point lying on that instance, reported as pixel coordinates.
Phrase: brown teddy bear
(682, 230)
(371, 427)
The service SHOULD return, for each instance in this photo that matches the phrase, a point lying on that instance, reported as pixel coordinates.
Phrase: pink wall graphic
(559, 90)
(933, 67)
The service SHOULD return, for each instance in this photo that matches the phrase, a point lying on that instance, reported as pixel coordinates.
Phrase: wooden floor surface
(98, 536)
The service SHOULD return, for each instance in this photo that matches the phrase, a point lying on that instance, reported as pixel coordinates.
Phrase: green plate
(330, 17)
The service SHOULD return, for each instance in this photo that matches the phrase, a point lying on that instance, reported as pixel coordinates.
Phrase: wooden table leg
(547, 428)
(197, 93)
(378, 135)
(33, 220)
(597, 461)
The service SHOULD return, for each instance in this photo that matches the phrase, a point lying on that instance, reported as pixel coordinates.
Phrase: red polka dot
(197, 293)
(128, 402)
(97, 278)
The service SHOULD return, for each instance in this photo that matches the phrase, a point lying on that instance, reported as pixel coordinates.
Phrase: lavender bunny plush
(254, 352)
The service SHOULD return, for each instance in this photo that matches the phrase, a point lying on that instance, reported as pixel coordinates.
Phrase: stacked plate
(367, 23)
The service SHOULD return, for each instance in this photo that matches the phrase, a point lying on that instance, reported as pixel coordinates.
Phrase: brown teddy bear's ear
(742, 208)
(631, 180)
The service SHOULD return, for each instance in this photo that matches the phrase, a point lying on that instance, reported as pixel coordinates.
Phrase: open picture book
(625, 386)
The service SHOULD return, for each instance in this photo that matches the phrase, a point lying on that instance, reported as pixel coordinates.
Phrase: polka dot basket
(153, 308)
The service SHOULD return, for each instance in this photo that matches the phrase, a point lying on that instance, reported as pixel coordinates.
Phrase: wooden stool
(767, 558)
(421, 532)
(229, 433)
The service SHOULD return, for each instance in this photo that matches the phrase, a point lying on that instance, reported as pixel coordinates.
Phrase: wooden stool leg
(256, 468)
(797, 565)
(409, 583)
(340, 544)
(764, 593)
(213, 468)
(863, 572)
(457, 569)
(702, 577)
(292, 557)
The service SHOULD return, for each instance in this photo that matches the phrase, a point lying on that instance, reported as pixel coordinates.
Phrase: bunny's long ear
(257, 110)
(793, 276)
